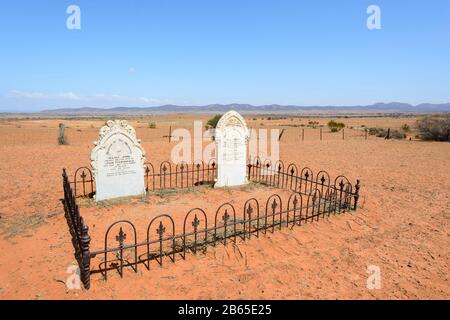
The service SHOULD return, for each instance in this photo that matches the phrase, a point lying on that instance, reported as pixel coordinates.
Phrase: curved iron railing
(312, 197)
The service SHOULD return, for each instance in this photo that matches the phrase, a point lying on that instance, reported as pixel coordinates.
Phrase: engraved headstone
(231, 138)
(118, 162)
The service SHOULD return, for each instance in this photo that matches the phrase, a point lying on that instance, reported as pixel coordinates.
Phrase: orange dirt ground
(402, 226)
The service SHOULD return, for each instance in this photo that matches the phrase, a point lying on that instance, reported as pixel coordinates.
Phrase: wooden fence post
(281, 134)
(388, 136)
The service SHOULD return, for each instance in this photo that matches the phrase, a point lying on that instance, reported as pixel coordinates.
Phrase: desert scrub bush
(396, 134)
(335, 126)
(382, 133)
(152, 125)
(378, 132)
(313, 124)
(62, 139)
(434, 128)
(212, 123)
(406, 128)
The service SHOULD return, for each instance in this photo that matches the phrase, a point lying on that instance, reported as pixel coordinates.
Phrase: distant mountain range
(393, 107)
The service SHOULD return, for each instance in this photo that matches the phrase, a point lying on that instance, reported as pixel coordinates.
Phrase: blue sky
(147, 53)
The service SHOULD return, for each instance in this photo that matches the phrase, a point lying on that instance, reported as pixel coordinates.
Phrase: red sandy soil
(402, 226)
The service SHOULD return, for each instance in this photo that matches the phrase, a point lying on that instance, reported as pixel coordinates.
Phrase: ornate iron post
(225, 218)
(249, 212)
(160, 232)
(85, 256)
(357, 187)
(295, 208)
(249, 166)
(121, 237)
(195, 224)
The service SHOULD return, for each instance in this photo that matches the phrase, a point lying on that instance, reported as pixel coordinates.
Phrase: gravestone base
(114, 190)
(229, 185)
(230, 176)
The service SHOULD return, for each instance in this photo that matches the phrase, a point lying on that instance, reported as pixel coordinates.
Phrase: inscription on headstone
(231, 149)
(118, 162)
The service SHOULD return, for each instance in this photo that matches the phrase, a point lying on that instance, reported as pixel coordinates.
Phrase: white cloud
(40, 95)
(71, 96)
(149, 100)
(121, 98)
(28, 95)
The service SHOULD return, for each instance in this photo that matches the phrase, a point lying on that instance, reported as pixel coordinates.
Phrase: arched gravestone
(118, 162)
(231, 137)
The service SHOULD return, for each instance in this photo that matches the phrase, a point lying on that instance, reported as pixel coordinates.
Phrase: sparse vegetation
(313, 124)
(406, 128)
(335, 126)
(275, 118)
(152, 125)
(396, 134)
(378, 132)
(434, 128)
(20, 224)
(382, 133)
(212, 123)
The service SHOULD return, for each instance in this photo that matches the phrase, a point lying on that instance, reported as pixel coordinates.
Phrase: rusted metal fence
(78, 230)
(302, 181)
(179, 176)
(162, 240)
(166, 176)
(311, 197)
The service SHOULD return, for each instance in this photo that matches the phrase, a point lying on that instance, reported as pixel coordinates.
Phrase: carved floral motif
(112, 127)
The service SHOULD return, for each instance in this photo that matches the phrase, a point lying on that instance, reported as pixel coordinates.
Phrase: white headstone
(118, 162)
(231, 149)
